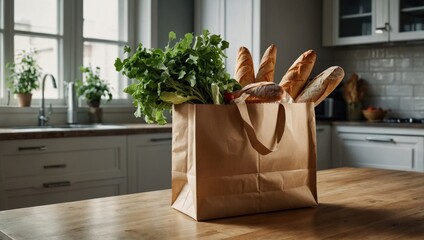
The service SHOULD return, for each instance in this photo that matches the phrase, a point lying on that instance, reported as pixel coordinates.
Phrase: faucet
(42, 118)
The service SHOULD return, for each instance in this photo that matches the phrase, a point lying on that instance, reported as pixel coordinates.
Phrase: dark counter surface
(8, 133)
(376, 124)
(16, 133)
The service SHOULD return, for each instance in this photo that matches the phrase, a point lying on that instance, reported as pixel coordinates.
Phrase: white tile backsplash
(395, 74)
(399, 91)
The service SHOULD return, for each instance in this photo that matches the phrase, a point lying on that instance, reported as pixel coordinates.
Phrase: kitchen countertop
(377, 124)
(16, 133)
(102, 130)
(353, 204)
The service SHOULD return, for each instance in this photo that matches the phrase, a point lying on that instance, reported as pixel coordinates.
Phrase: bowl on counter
(373, 114)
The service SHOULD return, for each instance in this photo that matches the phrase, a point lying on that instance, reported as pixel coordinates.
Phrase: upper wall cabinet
(407, 20)
(349, 22)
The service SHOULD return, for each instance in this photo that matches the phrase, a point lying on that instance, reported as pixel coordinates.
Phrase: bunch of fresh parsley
(192, 71)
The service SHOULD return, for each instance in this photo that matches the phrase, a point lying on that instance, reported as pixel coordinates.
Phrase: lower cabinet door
(149, 162)
(323, 147)
(58, 192)
(381, 151)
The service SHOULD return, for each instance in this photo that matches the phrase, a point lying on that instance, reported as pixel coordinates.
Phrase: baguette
(267, 65)
(321, 86)
(295, 78)
(244, 72)
(261, 92)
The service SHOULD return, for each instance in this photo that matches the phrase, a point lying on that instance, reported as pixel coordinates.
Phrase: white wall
(237, 21)
(174, 15)
(294, 27)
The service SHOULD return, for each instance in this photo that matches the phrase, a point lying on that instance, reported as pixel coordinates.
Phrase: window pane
(37, 16)
(1, 14)
(103, 56)
(104, 19)
(47, 59)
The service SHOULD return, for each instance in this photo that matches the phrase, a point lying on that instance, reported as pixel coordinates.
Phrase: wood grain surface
(354, 204)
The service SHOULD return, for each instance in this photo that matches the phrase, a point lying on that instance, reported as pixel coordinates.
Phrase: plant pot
(24, 99)
(94, 103)
(354, 111)
(95, 114)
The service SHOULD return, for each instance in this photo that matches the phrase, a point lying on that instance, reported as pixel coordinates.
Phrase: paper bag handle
(255, 139)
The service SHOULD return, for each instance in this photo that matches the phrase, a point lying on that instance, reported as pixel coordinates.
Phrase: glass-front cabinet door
(407, 19)
(355, 21)
(355, 18)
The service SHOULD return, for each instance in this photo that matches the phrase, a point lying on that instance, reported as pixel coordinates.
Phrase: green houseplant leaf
(24, 73)
(93, 88)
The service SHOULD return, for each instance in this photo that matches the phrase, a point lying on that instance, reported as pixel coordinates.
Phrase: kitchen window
(37, 26)
(66, 35)
(104, 39)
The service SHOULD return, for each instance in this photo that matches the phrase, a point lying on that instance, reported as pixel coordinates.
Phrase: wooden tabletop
(354, 204)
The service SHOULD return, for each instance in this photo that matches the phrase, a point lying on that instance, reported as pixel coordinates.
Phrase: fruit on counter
(374, 114)
(371, 108)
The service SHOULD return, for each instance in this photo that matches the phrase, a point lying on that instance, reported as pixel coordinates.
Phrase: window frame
(2, 82)
(129, 20)
(70, 44)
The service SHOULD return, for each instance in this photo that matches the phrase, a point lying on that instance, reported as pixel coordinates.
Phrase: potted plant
(92, 88)
(24, 75)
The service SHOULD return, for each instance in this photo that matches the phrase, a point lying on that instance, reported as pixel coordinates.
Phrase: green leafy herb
(191, 71)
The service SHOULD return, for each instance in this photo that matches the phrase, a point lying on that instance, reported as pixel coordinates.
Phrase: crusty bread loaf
(265, 94)
(295, 78)
(321, 86)
(260, 92)
(267, 65)
(244, 72)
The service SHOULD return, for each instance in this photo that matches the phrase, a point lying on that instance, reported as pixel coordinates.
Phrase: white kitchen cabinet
(371, 21)
(367, 148)
(44, 171)
(406, 20)
(323, 146)
(149, 162)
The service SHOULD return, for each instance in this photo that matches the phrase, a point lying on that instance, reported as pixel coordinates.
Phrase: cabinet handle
(381, 30)
(54, 166)
(320, 129)
(39, 148)
(57, 184)
(386, 140)
(160, 139)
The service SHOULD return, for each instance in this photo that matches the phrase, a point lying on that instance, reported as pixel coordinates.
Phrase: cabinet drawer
(48, 160)
(27, 197)
(382, 151)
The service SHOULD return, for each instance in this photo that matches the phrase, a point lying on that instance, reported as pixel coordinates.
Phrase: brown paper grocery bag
(230, 160)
